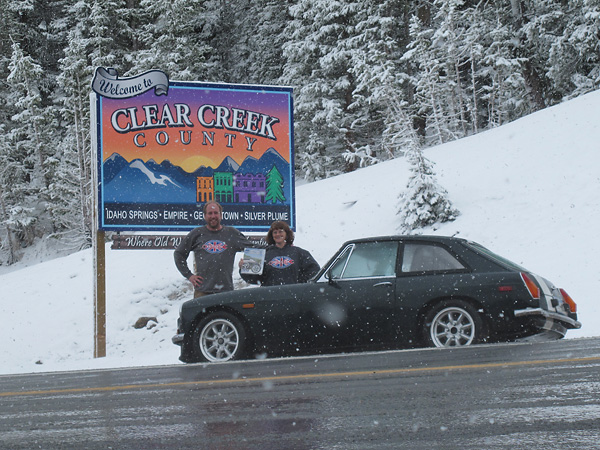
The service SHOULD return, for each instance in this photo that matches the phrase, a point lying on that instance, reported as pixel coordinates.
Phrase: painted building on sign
(223, 187)
(249, 188)
(205, 189)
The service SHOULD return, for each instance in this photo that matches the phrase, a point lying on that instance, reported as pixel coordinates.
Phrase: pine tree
(24, 79)
(31, 134)
(274, 183)
(425, 202)
(171, 39)
(379, 77)
(442, 53)
(318, 61)
(245, 39)
(502, 89)
(575, 52)
(533, 24)
(8, 244)
(74, 80)
(399, 136)
(257, 36)
(266, 42)
(95, 39)
(106, 31)
(9, 176)
(428, 79)
(68, 205)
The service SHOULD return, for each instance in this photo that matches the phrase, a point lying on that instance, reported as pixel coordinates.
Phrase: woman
(284, 263)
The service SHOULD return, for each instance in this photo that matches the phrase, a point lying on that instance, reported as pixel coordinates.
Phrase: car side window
(369, 259)
(424, 257)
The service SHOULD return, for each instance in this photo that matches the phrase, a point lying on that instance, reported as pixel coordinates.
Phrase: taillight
(569, 301)
(533, 288)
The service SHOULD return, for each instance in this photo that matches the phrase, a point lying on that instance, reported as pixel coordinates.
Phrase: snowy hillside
(528, 190)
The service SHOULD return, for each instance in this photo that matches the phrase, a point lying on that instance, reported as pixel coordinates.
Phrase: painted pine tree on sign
(274, 186)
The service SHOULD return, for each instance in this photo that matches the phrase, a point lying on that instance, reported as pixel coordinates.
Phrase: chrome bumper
(557, 317)
(178, 339)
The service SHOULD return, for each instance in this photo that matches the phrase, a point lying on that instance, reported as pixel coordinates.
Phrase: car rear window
(426, 258)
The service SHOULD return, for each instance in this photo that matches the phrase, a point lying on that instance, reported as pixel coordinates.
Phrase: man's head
(213, 213)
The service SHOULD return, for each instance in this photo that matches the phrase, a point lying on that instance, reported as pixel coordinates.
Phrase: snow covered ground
(528, 190)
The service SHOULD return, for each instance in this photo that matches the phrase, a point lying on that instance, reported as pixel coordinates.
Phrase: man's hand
(196, 280)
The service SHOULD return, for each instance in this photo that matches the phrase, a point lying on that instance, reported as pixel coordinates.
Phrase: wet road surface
(516, 396)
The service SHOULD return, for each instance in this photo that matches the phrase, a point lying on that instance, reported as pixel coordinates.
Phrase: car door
(359, 306)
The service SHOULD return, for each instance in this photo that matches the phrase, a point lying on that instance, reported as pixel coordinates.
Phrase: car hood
(247, 295)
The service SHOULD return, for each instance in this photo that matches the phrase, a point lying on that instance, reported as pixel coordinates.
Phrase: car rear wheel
(453, 323)
(219, 337)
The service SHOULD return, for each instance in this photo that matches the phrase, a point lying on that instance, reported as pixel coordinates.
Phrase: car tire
(219, 337)
(453, 323)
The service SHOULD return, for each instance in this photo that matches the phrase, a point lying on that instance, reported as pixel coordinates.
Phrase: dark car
(381, 293)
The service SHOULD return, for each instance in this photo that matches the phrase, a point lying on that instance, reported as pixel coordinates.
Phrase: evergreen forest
(373, 80)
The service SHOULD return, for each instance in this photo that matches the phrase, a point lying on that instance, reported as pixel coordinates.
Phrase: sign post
(99, 296)
(98, 250)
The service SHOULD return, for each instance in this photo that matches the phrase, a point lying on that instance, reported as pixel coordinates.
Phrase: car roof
(408, 238)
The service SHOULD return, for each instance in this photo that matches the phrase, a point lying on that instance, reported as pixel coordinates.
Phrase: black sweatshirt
(287, 265)
(214, 253)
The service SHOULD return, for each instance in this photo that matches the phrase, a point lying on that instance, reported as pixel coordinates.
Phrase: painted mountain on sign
(166, 183)
(139, 182)
(228, 165)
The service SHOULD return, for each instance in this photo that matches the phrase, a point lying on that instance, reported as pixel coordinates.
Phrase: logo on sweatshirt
(214, 247)
(281, 262)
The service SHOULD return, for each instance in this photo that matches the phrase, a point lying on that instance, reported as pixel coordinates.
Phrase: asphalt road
(519, 396)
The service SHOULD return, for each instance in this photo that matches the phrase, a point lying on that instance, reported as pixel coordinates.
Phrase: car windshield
(481, 249)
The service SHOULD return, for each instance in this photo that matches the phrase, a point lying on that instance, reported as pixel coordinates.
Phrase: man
(214, 247)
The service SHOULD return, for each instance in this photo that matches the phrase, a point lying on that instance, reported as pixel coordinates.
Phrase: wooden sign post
(99, 296)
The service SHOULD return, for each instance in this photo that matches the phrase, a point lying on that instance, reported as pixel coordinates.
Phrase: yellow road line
(299, 377)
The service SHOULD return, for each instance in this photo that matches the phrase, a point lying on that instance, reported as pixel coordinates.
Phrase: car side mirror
(330, 278)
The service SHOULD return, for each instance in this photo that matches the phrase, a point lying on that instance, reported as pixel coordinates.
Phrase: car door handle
(383, 283)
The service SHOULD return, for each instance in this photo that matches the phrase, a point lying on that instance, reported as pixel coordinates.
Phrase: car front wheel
(453, 323)
(219, 337)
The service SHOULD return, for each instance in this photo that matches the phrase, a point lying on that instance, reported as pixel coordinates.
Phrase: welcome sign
(166, 148)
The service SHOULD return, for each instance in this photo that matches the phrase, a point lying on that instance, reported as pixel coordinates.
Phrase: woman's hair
(280, 225)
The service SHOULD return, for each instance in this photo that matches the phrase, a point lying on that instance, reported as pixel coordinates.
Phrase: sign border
(98, 99)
